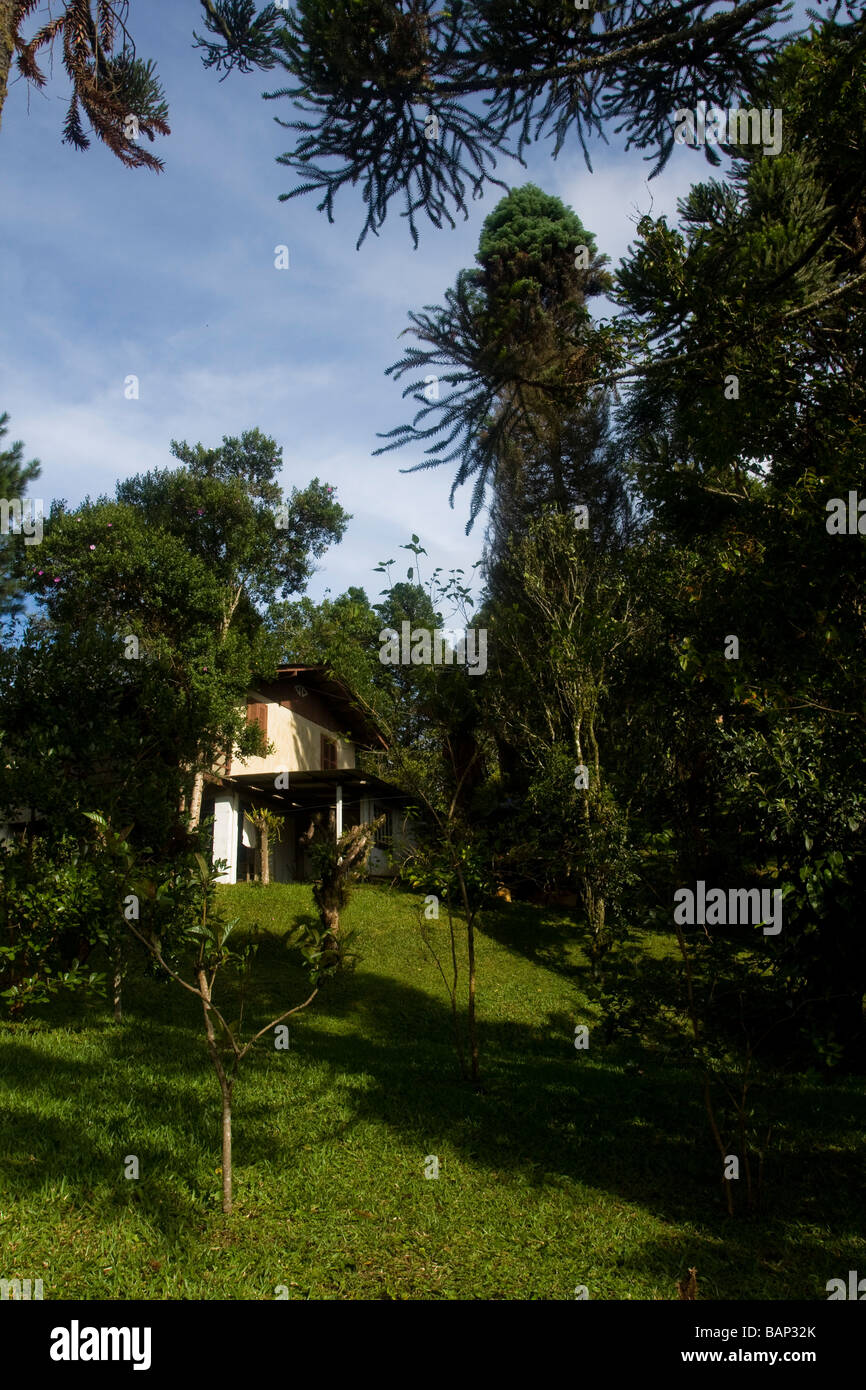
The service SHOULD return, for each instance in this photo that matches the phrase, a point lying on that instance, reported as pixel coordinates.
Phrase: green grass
(593, 1167)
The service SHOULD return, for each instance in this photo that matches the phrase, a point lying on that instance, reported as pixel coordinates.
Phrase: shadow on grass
(383, 1050)
(547, 937)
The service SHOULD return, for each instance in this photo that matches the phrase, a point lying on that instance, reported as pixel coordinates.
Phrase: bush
(53, 910)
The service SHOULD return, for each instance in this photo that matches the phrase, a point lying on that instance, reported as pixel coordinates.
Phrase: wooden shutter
(258, 714)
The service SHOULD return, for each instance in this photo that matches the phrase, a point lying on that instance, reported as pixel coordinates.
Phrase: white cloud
(610, 201)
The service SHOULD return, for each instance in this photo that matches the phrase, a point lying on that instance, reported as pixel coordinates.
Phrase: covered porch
(343, 797)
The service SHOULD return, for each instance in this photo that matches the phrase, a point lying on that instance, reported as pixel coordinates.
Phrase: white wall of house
(297, 744)
(225, 833)
(307, 747)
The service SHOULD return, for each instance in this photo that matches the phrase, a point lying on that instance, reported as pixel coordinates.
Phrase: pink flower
(57, 581)
(93, 547)
(41, 571)
(111, 523)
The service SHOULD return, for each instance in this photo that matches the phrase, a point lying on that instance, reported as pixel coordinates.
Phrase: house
(316, 729)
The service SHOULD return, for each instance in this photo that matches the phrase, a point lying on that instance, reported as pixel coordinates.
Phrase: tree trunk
(265, 853)
(458, 1039)
(195, 801)
(331, 923)
(227, 1146)
(116, 980)
(7, 35)
(470, 947)
(473, 1035)
(594, 911)
(225, 1091)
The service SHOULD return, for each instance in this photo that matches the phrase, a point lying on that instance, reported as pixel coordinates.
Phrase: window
(329, 754)
(258, 714)
(385, 830)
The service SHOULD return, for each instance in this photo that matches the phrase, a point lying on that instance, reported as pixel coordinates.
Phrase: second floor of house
(313, 722)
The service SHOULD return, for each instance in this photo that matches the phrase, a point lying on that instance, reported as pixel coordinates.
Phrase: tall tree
(179, 563)
(513, 348)
(563, 611)
(15, 475)
(483, 73)
(742, 431)
(229, 511)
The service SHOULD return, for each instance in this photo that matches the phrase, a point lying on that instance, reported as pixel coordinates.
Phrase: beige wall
(297, 745)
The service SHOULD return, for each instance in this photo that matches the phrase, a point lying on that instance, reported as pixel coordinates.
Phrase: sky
(108, 272)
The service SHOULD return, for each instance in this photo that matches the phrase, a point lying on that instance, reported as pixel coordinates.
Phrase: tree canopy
(15, 475)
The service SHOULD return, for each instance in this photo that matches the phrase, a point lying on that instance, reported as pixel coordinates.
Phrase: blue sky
(107, 272)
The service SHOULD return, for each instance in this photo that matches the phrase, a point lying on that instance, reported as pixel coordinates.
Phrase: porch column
(339, 811)
(225, 834)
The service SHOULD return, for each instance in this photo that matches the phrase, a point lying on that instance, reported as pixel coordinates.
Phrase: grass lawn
(572, 1168)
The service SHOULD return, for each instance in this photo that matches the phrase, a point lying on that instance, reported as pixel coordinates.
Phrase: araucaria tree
(414, 100)
(113, 89)
(512, 351)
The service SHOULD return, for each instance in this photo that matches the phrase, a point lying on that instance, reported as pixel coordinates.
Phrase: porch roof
(315, 787)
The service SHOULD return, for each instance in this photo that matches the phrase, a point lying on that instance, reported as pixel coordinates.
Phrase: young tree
(437, 759)
(429, 716)
(336, 866)
(269, 828)
(173, 911)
